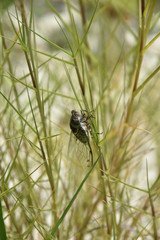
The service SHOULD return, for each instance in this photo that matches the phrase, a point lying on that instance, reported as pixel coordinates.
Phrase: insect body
(81, 128)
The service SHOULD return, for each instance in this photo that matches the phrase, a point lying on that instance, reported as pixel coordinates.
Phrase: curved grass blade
(72, 200)
(20, 115)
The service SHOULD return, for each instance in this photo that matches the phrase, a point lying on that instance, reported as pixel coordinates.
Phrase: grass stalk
(99, 57)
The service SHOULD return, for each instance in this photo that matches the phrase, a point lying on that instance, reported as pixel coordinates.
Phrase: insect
(81, 128)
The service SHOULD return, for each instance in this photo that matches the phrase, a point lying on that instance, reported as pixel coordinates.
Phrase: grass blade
(2, 225)
(73, 199)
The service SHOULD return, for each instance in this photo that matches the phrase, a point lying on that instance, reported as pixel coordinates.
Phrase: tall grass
(101, 56)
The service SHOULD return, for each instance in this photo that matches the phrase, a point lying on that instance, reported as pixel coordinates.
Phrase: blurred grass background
(102, 56)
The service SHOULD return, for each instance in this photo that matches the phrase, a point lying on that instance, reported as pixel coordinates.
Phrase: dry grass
(99, 56)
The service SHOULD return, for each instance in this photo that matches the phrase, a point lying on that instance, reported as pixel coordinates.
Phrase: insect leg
(88, 116)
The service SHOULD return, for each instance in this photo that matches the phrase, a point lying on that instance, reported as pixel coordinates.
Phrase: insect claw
(98, 132)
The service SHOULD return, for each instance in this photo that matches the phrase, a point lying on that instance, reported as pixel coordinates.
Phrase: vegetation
(99, 56)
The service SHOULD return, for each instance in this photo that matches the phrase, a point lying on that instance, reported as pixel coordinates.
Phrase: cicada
(81, 128)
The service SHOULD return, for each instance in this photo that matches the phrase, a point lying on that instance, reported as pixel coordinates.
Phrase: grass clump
(100, 57)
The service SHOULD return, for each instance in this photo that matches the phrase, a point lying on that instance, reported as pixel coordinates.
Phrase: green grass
(101, 56)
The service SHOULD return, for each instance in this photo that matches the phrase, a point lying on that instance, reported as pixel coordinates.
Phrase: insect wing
(78, 152)
(71, 144)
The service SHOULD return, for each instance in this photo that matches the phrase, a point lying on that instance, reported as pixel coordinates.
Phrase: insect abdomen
(78, 131)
